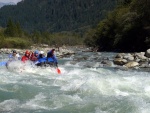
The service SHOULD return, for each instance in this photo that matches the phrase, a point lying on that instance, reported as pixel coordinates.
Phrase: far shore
(125, 60)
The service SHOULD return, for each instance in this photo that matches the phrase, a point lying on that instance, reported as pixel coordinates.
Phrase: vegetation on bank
(14, 37)
(52, 22)
(126, 28)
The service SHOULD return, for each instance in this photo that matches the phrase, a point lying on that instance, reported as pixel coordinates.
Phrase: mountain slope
(3, 4)
(56, 15)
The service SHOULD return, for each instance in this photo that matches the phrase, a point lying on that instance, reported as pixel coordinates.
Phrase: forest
(56, 15)
(52, 22)
(126, 28)
(109, 25)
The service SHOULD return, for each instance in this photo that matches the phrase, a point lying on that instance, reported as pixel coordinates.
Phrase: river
(83, 86)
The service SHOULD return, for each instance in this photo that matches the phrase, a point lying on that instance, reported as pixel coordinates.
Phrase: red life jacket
(24, 58)
(33, 57)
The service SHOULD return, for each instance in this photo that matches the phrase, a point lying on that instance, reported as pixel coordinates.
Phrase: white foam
(9, 105)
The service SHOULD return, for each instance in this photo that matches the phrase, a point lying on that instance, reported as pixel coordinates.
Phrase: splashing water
(78, 89)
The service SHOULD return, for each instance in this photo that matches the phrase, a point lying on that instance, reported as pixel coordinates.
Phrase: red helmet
(27, 52)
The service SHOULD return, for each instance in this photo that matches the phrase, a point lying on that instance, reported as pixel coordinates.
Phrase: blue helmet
(36, 52)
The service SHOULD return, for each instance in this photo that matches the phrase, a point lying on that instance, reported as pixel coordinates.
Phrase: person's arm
(18, 56)
(34, 58)
(55, 59)
(23, 59)
(10, 56)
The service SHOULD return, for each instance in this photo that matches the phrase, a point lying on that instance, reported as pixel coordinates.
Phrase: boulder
(120, 61)
(120, 55)
(106, 63)
(132, 64)
(140, 55)
(147, 53)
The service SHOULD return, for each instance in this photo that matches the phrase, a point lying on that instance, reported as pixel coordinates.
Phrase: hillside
(126, 28)
(56, 15)
(3, 4)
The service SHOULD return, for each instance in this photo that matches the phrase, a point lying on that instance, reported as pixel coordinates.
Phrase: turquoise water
(79, 89)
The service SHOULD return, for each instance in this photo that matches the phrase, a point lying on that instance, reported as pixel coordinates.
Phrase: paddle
(58, 70)
(3, 63)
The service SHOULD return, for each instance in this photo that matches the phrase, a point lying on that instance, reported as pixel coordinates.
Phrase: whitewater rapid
(78, 89)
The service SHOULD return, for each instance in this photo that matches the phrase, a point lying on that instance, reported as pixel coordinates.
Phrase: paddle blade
(3, 63)
(58, 71)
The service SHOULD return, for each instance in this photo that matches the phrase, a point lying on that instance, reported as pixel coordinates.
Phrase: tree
(19, 30)
(11, 29)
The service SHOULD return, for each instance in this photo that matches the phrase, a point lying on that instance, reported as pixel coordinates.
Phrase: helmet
(53, 49)
(14, 51)
(27, 52)
(41, 52)
(36, 52)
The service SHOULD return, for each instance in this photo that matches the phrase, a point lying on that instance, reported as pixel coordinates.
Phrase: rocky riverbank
(133, 60)
(60, 52)
(123, 61)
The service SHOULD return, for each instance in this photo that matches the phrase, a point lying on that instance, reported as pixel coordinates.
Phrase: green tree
(11, 29)
(126, 28)
(19, 30)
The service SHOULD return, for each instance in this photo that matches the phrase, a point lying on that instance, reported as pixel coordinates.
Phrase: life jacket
(50, 54)
(41, 60)
(33, 57)
(24, 58)
(13, 58)
(51, 57)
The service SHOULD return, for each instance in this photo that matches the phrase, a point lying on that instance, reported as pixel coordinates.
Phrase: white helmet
(41, 52)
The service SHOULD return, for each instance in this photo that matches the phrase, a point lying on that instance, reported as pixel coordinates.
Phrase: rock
(120, 55)
(132, 64)
(120, 61)
(147, 53)
(137, 60)
(140, 55)
(144, 66)
(129, 57)
(106, 63)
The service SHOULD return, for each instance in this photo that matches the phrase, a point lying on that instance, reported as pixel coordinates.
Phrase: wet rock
(120, 61)
(106, 63)
(120, 55)
(140, 55)
(132, 64)
(129, 57)
(147, 53)
(144, 64)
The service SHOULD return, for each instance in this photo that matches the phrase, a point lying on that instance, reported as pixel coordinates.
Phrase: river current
(84, 86)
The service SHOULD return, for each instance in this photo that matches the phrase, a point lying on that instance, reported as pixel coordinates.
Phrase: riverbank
(123, 61)
(60, 52)
(131, 60)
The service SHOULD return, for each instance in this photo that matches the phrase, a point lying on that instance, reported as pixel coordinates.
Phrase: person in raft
(34, 56)
(26, 56)
(13, 57)
(51, 58)
(41, 59)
